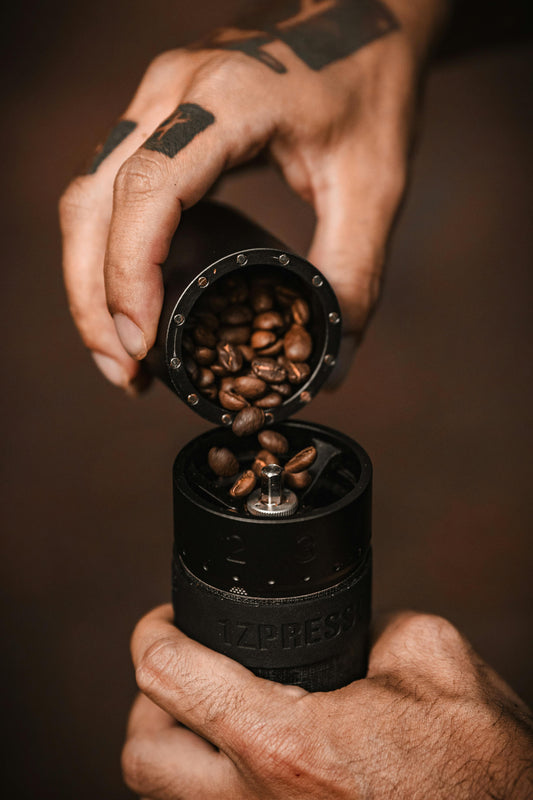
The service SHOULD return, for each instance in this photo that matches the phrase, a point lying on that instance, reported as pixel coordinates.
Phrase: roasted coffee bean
(297, 343)
(222, 461)
(268, 370)
(217, 302)
(285, 296)
(204, 356)
(248, 352)
(273, 442)
(249, 386)
(301, 460)
(271, 400)
(231, 400)
(192, 368)
(248, 421)
(237, 315)
(263, 459)
(261, 298)
(205, 318)
(227, 384)
(211, 392)
(229, 356)
(244, 484)
(219, 370)
(281, 388)
(262, 339)
(205, 378)
(204, 336)
(268, 320)
(300, 311)
(297, 480)
(234, 334)
(273, 350)
(297, 372)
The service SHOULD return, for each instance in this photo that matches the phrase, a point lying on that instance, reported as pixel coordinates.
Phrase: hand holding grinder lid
(272, 559)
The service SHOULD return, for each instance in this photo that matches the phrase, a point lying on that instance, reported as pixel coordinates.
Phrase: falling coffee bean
(268, 370)
(222, 461)
(231, 400)
(297, 343)
(249, 386)
(273, 442)
(297, 480)
(229, 356)
(268, 320)
(244, 484)
(302, 460)
(248, 421)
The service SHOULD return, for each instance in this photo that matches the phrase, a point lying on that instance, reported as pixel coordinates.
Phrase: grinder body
(289, 598)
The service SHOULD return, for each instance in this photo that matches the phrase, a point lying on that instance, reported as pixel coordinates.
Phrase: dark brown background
(441, 394)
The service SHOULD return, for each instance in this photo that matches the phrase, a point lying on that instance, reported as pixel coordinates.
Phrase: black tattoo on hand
(175, 133)
(117, 135)
(331, 31)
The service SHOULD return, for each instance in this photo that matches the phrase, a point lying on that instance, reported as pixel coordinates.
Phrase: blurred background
(441, 394)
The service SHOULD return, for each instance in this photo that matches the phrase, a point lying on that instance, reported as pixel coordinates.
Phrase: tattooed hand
(327, 87)
(430, 721)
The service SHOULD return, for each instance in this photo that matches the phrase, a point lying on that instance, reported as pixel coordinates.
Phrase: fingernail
(111, 369)
(130, 335)
(347, 350)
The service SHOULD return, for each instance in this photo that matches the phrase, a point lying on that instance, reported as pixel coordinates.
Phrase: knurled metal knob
(272, 500)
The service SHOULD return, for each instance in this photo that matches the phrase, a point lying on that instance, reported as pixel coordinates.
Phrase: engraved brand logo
(287, 635)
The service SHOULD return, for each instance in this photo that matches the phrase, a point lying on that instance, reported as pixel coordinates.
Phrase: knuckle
(163, 63)
(430, 631)
(140, 176)
(222, 70)
(154, 664)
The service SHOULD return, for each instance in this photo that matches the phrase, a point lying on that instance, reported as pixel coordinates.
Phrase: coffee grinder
(279, 580)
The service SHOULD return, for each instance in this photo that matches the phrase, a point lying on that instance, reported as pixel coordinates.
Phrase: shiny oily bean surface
(297, 371)
(231, 400)
(297, 343)
(268, 320)
(297, 480)
(244, 484)
(230, 357)
(273, 441)
(267, 369)
(271, 400)
(204, 356)
(262, 339)
(300, 311)
(302, 460)
(249, 386)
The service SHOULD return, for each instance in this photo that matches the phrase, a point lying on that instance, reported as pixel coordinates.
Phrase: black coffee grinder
(280, 580)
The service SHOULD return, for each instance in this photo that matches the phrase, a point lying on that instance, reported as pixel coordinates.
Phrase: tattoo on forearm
(175, 133)
(319, 32)
(122, 129)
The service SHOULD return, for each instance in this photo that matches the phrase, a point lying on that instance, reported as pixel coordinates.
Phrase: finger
(172, 171)
(85, 213)
(355, 200)
(162, 759)
(206, 691)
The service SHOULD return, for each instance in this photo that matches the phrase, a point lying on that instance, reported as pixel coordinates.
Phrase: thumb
(355, 203)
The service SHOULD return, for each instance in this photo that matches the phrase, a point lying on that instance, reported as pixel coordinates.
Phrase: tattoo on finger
(122, 129)
(318, 32)
(175, 132)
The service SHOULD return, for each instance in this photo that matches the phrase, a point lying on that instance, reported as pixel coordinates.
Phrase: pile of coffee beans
(274, 448)
(247, 346)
